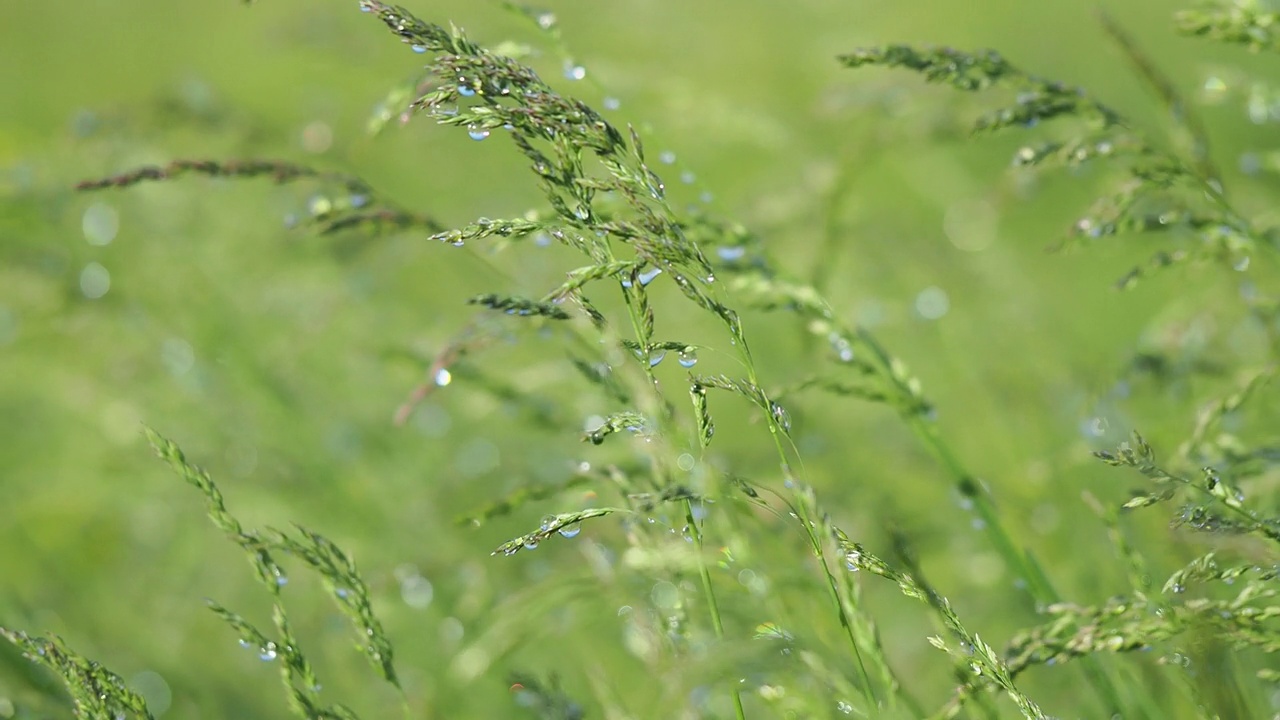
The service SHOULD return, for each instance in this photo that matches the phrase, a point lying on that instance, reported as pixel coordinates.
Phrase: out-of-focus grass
(278, 359)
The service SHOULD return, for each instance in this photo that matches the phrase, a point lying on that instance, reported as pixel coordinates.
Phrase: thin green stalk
(707, 588)
(1020, 561)
(816, 542)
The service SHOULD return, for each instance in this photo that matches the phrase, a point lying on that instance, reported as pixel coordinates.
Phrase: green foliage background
(277, 359)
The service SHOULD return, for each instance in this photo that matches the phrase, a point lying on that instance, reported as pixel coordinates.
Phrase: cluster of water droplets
(570, 530)
(853, 560)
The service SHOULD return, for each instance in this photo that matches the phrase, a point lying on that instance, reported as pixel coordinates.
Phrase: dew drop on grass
(612, 103)
(466, 91)
(571, 530)
(342, 593)
(547, 522)
(574, 72)
(844, 707)
(666, 157)
(478, 133)
(648, 276)
(531, 544)
(443, 377)
(655, 358)
(781, 415)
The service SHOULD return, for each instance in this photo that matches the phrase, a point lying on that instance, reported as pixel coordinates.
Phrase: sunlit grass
(623, 379)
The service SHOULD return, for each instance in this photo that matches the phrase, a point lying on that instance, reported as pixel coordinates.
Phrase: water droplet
(365, 8)
(570, 531)
(647, 276)
(443, 377)
(358, 201)
(844, 707)
(612, 103)
(319, 205)
(547, 522)
(268, 652)
(100, 224)
(466, 91)
(574, 72)
(342, 593)
(420, 49)
(688, 357)
(1241, 264)
(932, 303)
(730, 253)
(666, 157)
(531, 544)
(687, 177)
(416, 591)
(282, 580)
(95, 281)
(547, 20)
(782, 417)
(245, 644)
(656, 357)
(478, 133)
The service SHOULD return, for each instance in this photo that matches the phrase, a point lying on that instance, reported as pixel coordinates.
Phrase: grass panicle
(95, 691)
(336, 570)
(686, 515)
(1251, 23)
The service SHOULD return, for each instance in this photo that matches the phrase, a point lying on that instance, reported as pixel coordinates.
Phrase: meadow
(638, 360)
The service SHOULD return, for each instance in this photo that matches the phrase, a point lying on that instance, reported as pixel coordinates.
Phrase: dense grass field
(341, 381)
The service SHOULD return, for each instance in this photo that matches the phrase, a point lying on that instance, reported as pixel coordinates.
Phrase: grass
(629, 350)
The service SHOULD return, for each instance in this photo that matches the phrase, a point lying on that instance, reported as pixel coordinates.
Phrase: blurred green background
(277, 359)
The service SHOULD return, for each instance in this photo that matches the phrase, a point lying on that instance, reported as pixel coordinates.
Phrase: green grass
(852, 423)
